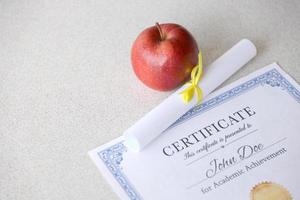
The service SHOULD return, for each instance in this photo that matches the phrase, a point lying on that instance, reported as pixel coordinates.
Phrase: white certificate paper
(242, 135)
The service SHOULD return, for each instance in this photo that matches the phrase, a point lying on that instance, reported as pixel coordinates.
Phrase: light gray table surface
(67, 85)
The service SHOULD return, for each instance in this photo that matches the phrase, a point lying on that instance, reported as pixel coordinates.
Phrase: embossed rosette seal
(269, 191)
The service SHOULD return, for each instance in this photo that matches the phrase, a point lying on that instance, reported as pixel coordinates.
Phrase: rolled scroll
(149, 127)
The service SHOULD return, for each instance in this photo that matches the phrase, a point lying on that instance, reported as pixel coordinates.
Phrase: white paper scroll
(161, 117)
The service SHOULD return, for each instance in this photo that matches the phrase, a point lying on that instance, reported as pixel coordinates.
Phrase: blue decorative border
(113, 156)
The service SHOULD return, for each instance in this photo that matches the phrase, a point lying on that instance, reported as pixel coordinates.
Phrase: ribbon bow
(188, 93)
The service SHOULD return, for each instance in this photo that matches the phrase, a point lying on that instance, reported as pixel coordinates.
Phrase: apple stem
(162, 36)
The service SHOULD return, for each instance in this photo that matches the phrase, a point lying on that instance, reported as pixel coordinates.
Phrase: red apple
(163, 56)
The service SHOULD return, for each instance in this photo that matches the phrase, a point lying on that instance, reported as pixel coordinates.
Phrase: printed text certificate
(240, 136)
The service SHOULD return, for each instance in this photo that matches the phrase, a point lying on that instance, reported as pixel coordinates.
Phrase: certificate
(242, 142)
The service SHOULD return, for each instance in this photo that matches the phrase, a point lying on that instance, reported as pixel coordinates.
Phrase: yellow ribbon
(188, 93)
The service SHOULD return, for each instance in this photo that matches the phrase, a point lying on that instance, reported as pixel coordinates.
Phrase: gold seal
(270, 191)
